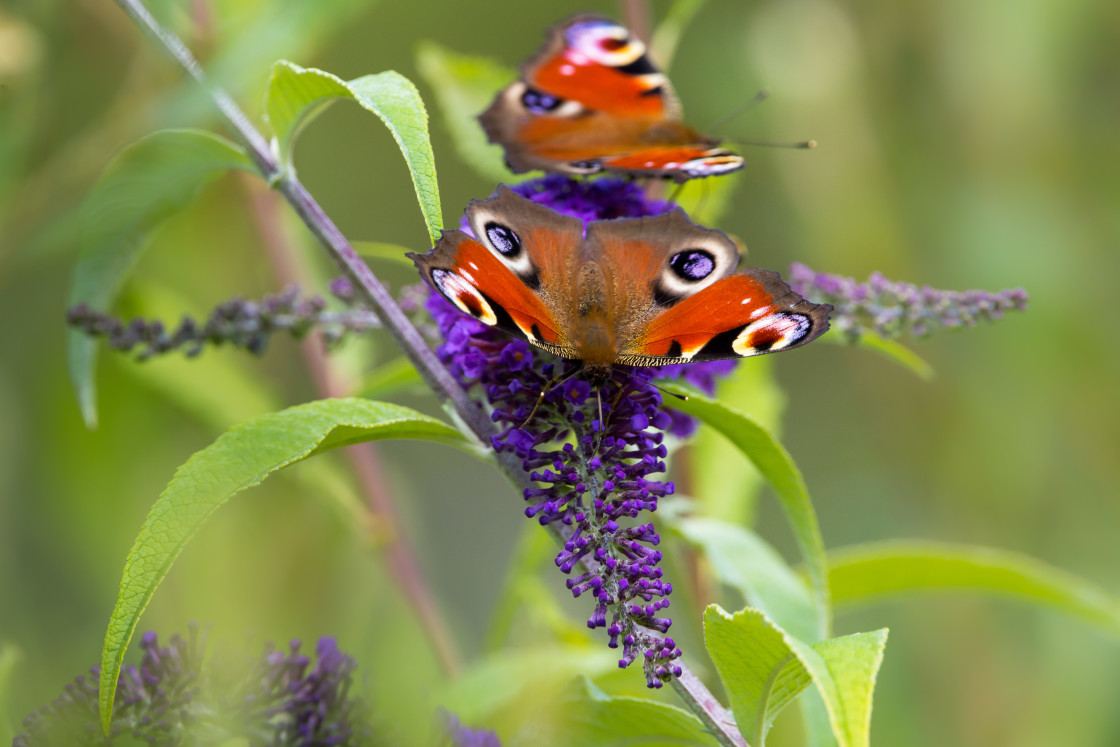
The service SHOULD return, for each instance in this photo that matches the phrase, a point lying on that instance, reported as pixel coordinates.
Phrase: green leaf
(10, 657)
(464, 86)
(865, 573)
(296, 95)
(763, 669)
(775, 463)
(379, 250)
(145, 184)
(503, 686)
(707, 200)
(241, 458)
(726, 486)
(667, 35)
(389, 378)
(893, 350)
(590, 717)
(743, 561)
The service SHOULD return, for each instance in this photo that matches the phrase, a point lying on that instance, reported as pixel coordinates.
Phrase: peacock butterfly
(591, 100)
(633, 291)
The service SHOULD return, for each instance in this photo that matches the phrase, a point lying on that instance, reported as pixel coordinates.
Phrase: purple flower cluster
(890, 309)
(176, 696)
(591, 453)
(237, 322)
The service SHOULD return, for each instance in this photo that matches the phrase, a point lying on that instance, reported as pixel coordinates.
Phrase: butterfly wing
(512, 271)
(592, 100)
(684, 299)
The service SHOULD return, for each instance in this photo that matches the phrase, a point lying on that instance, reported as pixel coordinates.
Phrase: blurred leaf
(389, 378)
(892, 349)
(779, 469)
(663, 45)
(393, 253)
(707, 200)
(217, 388)
(763, 669)
(241, 458)
(593, 718)
(464, 86)
(502, 686)
(743, 561)
(726, 486)
(145, 184)
(865, 573)
(297, 95)
(9, 658)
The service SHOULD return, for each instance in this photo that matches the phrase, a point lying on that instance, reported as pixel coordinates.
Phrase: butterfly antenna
(798, 144)
(758, 98)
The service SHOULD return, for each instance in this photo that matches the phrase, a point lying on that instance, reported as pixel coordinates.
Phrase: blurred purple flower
(176, 696)
(236, 322)
(890, 309)
(459, 735)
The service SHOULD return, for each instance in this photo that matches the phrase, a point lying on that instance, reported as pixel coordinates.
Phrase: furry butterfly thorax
(631, 291)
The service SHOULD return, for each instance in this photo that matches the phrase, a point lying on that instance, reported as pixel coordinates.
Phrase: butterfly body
(590, 101)
(633, 291)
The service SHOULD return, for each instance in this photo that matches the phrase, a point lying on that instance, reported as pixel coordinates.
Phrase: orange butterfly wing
(748, 313)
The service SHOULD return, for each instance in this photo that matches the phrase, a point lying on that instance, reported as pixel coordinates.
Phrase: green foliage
(296, 95)
(382, 252)
(596, 719)
(867, 573)
(145, 184)
(464, 86)
(895, 351)
(241, 458)
(10, 657)
(763, 669)
(726, 485)
(778, 467)
(390, 378)
(746, 563)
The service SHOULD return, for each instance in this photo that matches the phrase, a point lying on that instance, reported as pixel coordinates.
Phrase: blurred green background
(963, 145)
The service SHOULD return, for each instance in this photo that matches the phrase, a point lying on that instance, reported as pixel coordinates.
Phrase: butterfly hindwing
(591, 100)
(747, 313)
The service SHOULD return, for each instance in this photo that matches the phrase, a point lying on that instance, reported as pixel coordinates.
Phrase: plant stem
(404, 565)
(380, 301)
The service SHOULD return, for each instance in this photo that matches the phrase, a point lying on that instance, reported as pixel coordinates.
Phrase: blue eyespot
(503, 239)
(539, 102)
(692, 264)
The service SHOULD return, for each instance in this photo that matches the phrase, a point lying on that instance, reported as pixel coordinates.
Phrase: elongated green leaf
(743, 561)
(777, 466)
(464, 86)
(378, 250)
(9, 658)
(502, 686)
(865, 573)
(389, 378)
(147, 182)
(663, 45)
(241, 458)
(590, 717)
(296, 95)
(763, 669)
(726, 486)
(897, 352)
